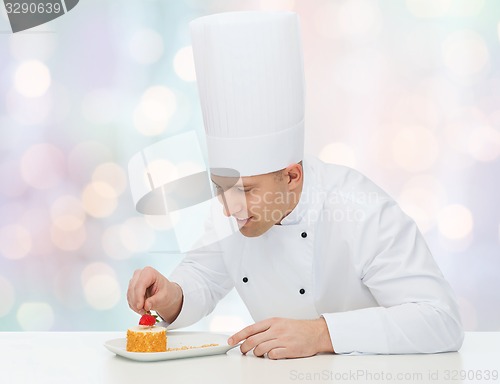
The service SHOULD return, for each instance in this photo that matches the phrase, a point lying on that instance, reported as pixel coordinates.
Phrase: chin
(247, 233)
(253, 232)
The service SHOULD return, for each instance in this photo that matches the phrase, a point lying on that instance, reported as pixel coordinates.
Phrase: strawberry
(148, 319)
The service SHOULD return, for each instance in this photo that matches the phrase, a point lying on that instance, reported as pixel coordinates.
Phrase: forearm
(406, 328)
(200, 293)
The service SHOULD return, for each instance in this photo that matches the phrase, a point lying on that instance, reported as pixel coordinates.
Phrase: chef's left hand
(284, 338)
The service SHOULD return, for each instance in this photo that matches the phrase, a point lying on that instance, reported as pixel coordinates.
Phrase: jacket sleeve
(417, 310)
(204, 281)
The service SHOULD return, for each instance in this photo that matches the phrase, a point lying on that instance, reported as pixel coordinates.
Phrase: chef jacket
(346, 252)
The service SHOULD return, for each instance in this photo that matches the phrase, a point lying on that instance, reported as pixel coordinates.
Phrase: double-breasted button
(302, 291)
(304, 235)
(245, 279)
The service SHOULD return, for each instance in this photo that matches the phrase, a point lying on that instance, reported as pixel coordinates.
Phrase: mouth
(242, 221)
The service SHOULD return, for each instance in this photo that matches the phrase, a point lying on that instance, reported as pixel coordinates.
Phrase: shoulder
(341, 184)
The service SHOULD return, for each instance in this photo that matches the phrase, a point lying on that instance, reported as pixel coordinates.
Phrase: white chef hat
(249, 69)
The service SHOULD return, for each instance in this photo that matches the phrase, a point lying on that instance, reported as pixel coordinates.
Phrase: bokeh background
(407, 92)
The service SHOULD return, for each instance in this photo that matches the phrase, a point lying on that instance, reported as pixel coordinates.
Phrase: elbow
(442, 327)
(456, 329)
(452, 332)
(456, 338)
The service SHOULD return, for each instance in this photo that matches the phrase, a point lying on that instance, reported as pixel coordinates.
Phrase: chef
(324, 260)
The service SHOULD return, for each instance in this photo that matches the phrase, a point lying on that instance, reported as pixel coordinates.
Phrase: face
(259, 202)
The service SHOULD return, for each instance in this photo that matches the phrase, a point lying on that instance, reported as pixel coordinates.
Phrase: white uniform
(346, 252)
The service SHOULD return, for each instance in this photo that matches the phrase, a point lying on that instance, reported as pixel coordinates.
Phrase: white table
(80, 357)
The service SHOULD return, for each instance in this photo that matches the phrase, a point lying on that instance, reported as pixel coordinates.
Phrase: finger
(145, 279)
(246, 332)
(131, 284)
(254, 340)
(278, 353)
(150, 303)
(266, 346)
(131, 298)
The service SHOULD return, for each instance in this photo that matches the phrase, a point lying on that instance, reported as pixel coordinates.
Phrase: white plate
(176, 339)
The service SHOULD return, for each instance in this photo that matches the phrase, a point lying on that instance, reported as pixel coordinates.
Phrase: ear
(295, 175)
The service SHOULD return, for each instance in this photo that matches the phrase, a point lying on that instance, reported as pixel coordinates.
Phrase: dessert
(148, 319)
(147, 337)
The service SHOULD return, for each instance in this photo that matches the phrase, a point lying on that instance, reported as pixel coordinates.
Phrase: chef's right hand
(150, 290)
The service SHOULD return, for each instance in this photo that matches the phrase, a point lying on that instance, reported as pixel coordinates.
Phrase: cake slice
(146, 337)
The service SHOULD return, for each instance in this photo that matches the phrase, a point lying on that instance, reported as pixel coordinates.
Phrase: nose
(232, 204)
